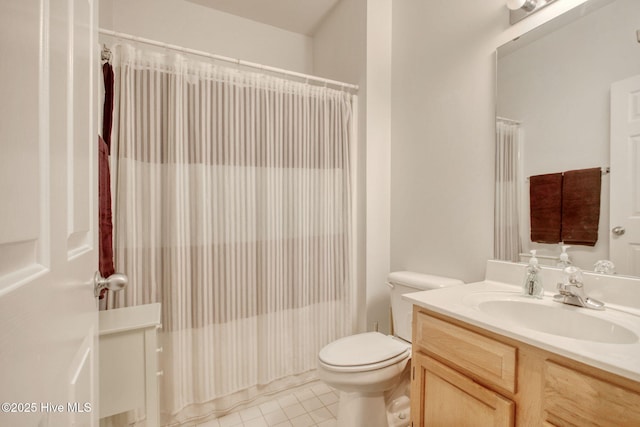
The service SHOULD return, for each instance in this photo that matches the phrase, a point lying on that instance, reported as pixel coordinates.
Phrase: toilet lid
(361, 349)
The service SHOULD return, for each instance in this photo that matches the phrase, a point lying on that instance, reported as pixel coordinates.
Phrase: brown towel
(107, 110)
(581, 206)
(545, 195)
(105, 225)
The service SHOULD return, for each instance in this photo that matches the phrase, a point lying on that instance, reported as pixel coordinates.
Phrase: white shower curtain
(507, 242)
(233, 208)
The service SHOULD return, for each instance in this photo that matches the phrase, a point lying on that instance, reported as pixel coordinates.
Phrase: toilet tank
(404, 282)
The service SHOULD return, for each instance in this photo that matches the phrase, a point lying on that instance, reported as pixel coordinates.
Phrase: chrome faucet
(571, 291)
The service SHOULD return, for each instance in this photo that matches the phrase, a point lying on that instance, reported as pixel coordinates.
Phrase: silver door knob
(618, 231)
(115, 282)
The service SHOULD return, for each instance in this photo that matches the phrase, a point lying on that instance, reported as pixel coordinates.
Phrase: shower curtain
(233, 208)
(507, 242)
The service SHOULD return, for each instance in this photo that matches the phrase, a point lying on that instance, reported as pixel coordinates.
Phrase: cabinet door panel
(574, 398)
(448, 398)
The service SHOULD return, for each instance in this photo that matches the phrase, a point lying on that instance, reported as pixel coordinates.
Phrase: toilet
(365, 367)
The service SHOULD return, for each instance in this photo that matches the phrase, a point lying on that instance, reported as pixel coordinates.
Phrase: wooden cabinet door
(443, 397)
(574, 398)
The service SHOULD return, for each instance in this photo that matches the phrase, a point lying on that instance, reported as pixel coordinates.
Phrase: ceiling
(299, 16)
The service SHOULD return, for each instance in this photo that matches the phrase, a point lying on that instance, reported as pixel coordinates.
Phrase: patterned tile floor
(313, 406)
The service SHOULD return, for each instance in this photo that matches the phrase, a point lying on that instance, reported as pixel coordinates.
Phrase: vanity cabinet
(128, 370)
(464, 375)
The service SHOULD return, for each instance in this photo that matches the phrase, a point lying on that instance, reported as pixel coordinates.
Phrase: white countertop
(128, 318)
(457, 302)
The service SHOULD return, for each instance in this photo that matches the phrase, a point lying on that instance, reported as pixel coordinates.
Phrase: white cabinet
(128, 361)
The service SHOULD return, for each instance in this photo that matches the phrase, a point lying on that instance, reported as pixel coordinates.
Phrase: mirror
(555, 82)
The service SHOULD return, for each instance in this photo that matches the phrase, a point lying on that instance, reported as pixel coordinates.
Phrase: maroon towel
(545, 196)
(105, 225)
(107, 111)
(581, 206)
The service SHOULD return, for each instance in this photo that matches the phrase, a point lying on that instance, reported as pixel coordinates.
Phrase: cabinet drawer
(574, 398)
(481, 357)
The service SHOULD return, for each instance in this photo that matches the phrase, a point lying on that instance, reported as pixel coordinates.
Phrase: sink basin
(556, 319)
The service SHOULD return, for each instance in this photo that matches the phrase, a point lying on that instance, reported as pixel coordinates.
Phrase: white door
(48, 217)
(624, 230)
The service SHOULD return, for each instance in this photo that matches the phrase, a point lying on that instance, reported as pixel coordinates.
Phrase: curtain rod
(126, 36)
(504, 119)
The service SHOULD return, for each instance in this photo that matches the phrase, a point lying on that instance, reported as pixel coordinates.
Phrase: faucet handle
(604, 266)
(571, 290)
(563, 288)
(572, 276)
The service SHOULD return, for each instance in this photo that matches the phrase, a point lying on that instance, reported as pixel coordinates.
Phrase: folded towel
(581, 206)
(545, 196)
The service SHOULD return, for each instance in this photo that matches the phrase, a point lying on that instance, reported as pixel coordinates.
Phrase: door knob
(115, 282)
(618, 231)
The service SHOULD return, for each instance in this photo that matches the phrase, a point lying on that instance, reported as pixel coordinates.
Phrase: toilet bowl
(365, 367)
(369, 362)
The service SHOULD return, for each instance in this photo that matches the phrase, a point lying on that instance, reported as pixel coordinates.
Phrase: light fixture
(527, 5)
(520, 9)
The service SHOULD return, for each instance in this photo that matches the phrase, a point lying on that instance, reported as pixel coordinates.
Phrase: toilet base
(399, 412)
(358, 409)
(378, 398)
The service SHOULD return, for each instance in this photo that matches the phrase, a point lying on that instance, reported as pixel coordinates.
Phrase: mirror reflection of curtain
(507, 242)
(233, 209)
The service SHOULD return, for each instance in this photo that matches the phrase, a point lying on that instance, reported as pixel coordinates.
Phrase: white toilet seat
(365, 368)
(363, 352)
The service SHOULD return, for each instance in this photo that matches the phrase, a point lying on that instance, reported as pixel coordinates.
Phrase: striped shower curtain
(507, 241)
(233, 208)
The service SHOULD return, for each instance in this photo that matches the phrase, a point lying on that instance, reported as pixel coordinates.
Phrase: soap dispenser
(564, 258)
(532, 279)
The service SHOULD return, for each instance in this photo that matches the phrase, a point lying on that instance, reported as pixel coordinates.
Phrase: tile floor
(313, 406)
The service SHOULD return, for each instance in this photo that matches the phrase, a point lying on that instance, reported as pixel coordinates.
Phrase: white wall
(429, 141)
(353, 44)
(443, 135)
(442, 131)
(379, 30)
(558, 86)
(198, 27)
(339, 43)
(339, 53)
